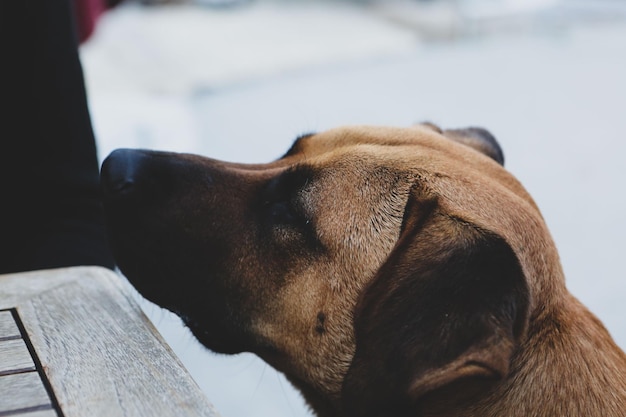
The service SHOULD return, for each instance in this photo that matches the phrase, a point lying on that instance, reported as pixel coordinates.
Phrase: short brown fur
(386, 271)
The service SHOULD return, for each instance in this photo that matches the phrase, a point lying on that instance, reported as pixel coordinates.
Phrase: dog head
(376, 267)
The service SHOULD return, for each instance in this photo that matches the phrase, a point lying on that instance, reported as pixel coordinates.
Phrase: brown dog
(387, 272)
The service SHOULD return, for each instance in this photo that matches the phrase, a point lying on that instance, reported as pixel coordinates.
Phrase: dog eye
(281, 212)
(281, 198)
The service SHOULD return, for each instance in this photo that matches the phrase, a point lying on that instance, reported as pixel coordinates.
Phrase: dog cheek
(304, 326)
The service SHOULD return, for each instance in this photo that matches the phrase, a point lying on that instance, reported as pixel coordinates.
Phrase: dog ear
(476, 138)
(439, 323)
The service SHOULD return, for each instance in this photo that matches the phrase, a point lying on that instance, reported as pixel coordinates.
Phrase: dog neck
(568, 366)
(323, 405)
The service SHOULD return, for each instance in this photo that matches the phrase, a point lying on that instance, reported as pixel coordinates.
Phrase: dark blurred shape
(50, 209)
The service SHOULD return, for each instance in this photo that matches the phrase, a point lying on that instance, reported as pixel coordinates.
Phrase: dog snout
(136, 177)
(121, 172)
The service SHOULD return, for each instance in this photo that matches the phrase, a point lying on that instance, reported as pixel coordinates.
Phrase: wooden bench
(74, 343)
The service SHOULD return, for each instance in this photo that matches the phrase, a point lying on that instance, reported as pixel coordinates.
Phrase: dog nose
(121, 173)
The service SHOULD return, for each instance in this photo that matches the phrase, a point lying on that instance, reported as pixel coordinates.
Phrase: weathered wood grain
(22, 391)
(8, 328)
(15, 288)
(42, 413)
(14, 357)
(100, 353)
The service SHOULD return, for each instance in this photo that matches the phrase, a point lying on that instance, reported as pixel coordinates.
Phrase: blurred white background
(239, 81)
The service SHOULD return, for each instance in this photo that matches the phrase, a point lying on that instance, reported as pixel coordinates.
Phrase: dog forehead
(466, 181)
(409, 147)
(365, 150)
(351, 136)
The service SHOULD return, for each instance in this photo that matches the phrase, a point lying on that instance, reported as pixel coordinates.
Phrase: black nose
(121, 173)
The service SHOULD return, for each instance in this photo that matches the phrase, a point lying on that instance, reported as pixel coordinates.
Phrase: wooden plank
(17, 287)
(100, 353)
(42, 413)
(8, 328)
(22, 391)
(15, 357)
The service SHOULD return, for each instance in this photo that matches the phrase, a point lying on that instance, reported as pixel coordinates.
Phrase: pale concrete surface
(551, 88)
